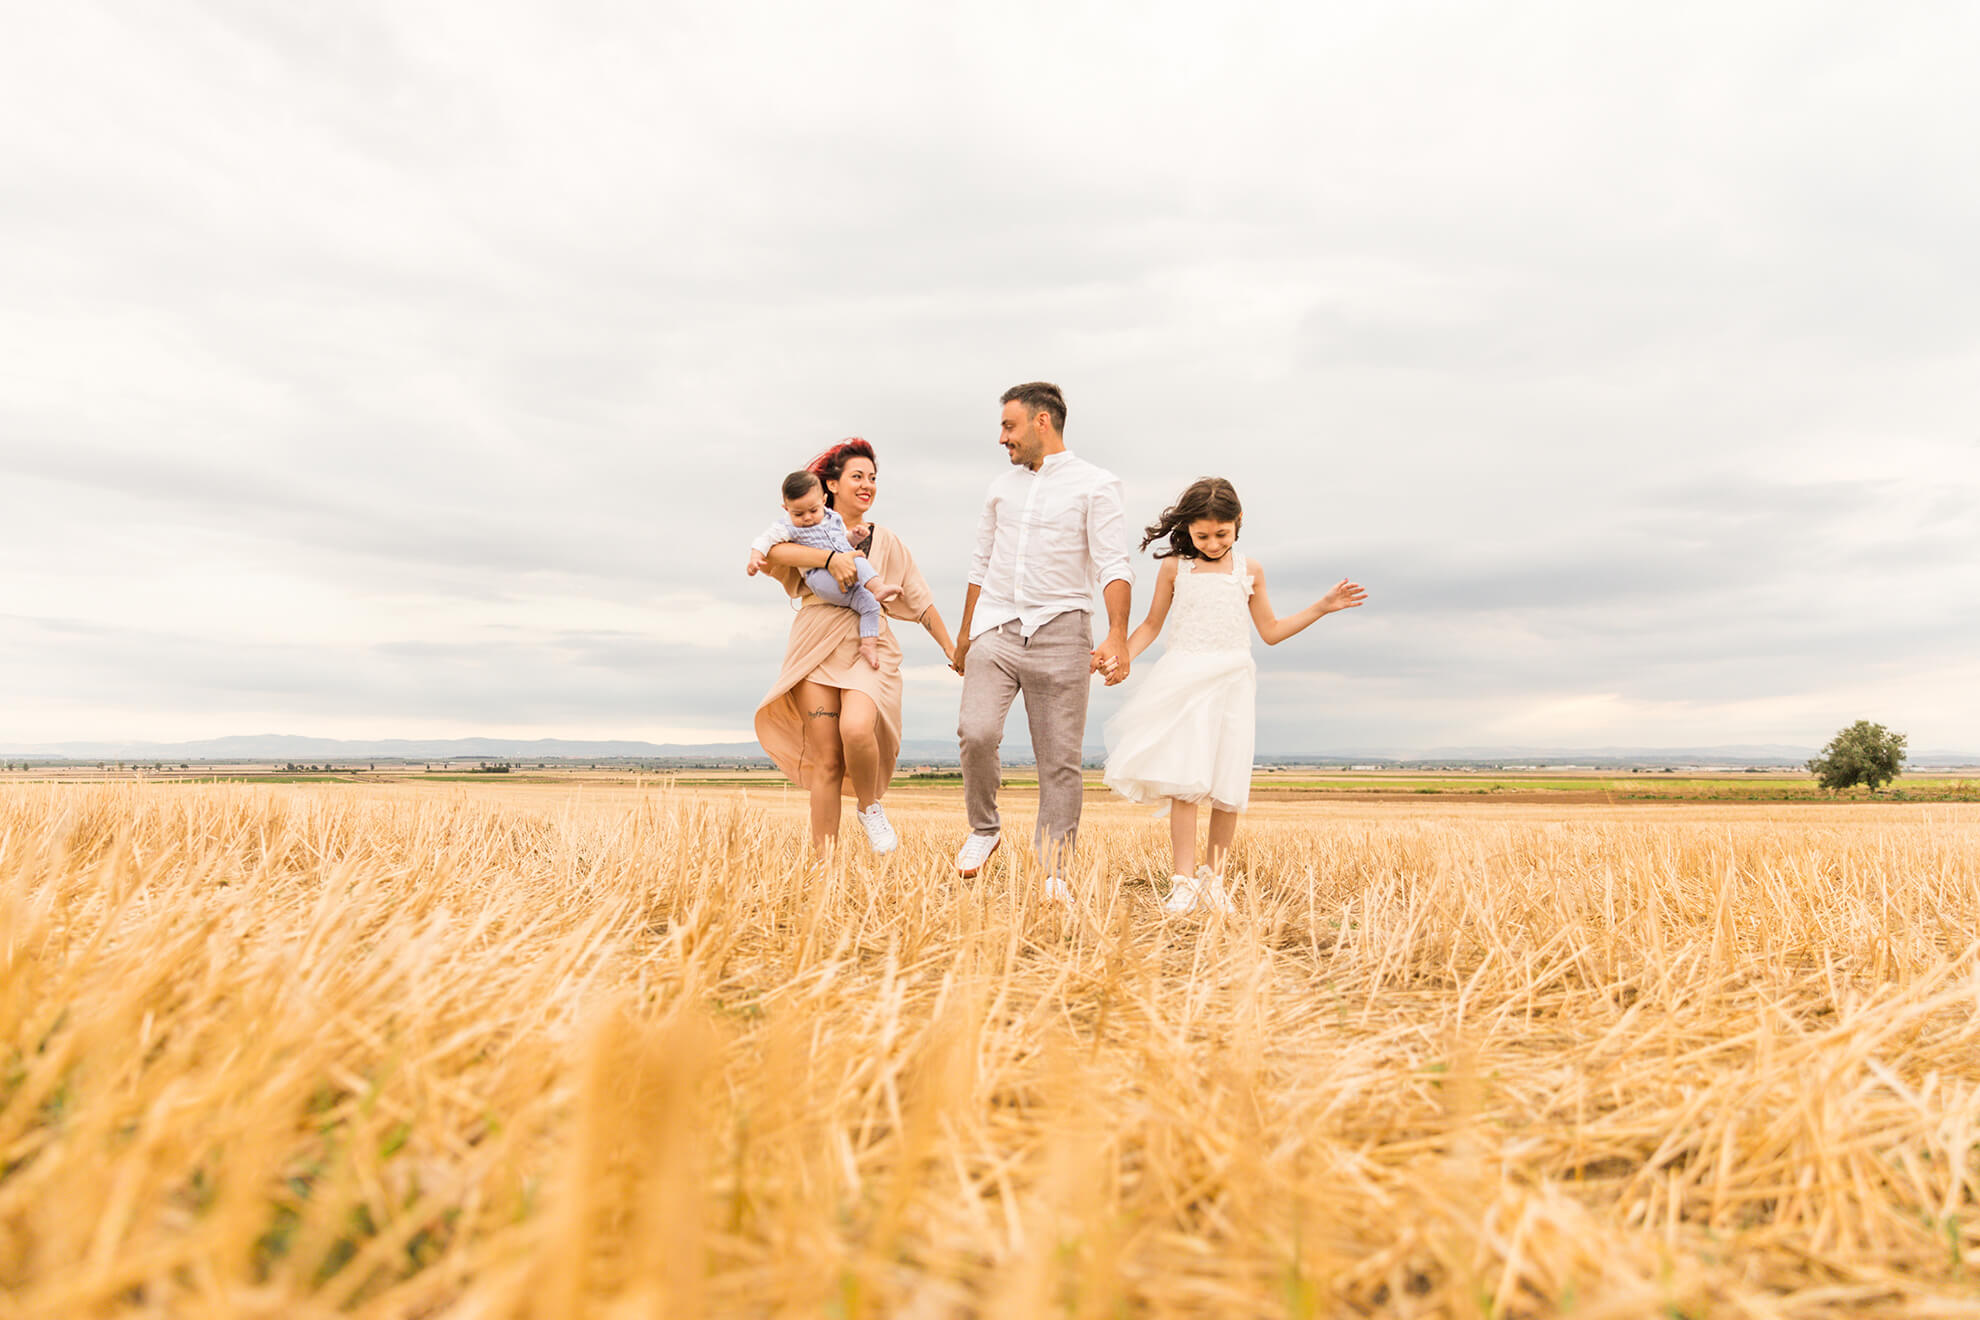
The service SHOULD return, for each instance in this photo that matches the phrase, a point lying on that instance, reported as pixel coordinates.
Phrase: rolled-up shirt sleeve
(986, 540)
(1107, 534)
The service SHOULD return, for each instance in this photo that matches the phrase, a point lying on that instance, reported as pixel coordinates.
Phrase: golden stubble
(313, 1051)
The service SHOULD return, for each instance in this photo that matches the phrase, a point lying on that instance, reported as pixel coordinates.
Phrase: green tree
(1864, 753)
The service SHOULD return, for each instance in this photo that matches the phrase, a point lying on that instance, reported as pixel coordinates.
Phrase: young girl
(1187, 732)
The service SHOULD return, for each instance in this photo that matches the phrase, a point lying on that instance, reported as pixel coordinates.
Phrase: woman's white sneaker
(975, 852)
(879, 830)
(1182, 896)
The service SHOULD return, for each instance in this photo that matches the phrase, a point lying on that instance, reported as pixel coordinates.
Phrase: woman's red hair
(830, 464)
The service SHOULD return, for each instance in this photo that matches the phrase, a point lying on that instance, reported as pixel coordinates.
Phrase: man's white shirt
(1046, 540)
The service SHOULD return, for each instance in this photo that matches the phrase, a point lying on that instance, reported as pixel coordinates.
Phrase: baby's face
(808, 509)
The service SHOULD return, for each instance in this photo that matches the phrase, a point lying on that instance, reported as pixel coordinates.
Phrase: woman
(831, 722)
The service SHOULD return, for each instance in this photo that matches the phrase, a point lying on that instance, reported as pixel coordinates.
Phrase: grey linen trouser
(1052, 668)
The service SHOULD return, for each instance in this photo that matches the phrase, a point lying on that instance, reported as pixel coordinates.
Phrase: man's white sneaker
(1057, 890)
(1182, 896)
(975, 852)
(879, 830)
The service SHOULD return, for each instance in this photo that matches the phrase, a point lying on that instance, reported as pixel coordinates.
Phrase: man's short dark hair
(1040, 396)
(800, 483)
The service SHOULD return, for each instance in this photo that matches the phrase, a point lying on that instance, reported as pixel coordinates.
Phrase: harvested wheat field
(439, 1052)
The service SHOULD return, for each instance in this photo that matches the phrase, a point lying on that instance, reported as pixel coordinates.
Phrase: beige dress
(824, 647)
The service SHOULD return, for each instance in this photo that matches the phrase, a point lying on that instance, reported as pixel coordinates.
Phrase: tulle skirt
(1188, 731)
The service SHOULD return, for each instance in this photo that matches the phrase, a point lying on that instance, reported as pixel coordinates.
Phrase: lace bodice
(1211, 611)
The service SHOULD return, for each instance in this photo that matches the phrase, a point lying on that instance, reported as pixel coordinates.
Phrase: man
(1052, 528)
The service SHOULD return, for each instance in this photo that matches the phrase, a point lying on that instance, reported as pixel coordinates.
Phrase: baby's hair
(1208, 498)
(800, 484)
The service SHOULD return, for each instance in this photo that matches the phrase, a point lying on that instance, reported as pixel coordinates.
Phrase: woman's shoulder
(887, 536)
(887, 545)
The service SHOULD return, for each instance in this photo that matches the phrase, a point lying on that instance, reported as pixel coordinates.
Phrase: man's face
(808, 509)
(1022, 434)
(1211, 538)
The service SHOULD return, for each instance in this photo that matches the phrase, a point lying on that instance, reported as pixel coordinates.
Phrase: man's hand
(843, 570)
(956, 659)
(756, 562)
(1110, 659)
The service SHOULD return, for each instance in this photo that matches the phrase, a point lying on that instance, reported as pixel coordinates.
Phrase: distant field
(404, 1048)
(1649, 787)
(1616, 787)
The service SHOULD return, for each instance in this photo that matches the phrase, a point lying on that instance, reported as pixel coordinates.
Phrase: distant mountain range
(293, 747)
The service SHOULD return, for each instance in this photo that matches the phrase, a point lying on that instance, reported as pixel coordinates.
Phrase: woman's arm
(789, 554)
(931, 619)
(915, 603)
(1158, 610)
(1345, 596)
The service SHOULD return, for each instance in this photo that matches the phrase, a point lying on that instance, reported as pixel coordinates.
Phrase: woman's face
(852, 493)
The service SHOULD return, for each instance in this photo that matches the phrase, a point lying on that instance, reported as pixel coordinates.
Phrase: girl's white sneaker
(879, 830)
(1215, 899)
(1182, 896)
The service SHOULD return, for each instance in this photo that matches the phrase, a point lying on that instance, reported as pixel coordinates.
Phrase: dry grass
(306, 1051)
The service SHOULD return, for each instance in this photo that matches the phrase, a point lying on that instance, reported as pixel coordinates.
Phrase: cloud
(583, 681)
(435, 363)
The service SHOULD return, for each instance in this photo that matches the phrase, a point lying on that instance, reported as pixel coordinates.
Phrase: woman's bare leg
(819, 707)
(859, 735)
(1223, 829)
(1182, 835)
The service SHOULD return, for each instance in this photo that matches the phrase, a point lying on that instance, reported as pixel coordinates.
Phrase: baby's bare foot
(882, 590)
(870, 648)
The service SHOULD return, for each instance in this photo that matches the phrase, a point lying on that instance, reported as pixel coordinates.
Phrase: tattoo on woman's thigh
(821, 711)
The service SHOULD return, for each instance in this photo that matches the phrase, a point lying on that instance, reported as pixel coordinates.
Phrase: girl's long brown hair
(1211, 498)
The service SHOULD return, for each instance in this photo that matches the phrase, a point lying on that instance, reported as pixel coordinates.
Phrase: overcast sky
(377, 370)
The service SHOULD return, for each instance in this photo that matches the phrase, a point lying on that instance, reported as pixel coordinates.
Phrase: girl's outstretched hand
(1345, 596)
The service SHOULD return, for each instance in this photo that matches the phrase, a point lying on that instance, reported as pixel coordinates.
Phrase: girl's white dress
(1188, 729)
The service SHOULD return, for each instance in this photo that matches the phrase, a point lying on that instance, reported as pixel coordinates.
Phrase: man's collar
(1055, 460)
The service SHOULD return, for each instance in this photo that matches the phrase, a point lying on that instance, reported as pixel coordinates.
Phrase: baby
(808, 522)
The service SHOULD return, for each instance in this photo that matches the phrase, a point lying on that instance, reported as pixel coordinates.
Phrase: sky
(424, 369)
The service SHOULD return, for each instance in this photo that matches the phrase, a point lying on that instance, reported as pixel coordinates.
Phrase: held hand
(956, 655)
(1110, 659)
(843, 570)
(1345, 596)
(756, 562)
